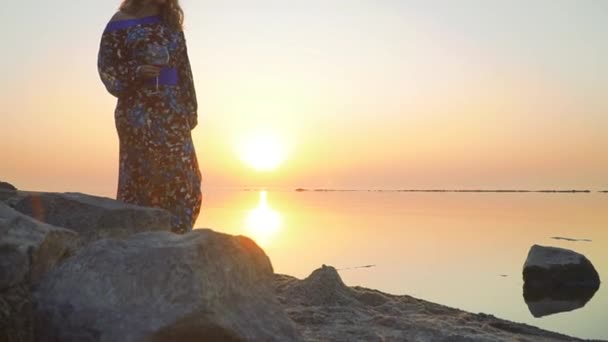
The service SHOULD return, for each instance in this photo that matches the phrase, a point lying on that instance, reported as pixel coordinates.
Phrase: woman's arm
(117, 70)
(186, 80)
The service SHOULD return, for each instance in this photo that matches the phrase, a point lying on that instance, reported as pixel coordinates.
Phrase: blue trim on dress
(168, 76)
(126, 23)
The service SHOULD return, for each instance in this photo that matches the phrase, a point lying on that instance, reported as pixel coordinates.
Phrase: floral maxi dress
(154, 118)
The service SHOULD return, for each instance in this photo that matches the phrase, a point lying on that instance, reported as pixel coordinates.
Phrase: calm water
(461, 250)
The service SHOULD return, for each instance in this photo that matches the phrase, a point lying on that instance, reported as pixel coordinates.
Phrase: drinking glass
(159, 56)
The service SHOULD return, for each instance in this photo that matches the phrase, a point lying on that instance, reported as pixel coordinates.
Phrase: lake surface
(463, 250)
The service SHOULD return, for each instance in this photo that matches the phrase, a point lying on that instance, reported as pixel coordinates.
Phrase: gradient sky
(365, 93)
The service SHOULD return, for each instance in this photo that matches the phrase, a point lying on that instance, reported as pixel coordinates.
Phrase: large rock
(92, 217)
(7, 195)
(202, 286)
(325, 309)
(552, 267)
(7, 186)
(7, 191)
(557, 280)
(324, 287)
(28, 250)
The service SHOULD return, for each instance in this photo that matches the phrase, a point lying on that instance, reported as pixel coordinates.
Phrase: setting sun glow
(262, 152)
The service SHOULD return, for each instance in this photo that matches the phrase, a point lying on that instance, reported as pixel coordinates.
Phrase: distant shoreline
(545, 191)
(573, 191)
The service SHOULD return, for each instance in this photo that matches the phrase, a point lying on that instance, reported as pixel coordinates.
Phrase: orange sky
(384, 94)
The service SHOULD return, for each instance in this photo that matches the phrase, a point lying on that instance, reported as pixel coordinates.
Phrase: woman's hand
(147, 72)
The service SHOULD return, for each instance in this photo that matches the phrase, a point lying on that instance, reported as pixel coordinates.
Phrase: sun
(263, 152)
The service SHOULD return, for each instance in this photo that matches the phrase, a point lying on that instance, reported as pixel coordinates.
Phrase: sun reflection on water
(263, 223)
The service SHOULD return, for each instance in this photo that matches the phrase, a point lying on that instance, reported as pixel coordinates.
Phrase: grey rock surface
(325, 309)
(157, 286)
(28, 250)
(558, 280)
(7, 186)
(92, 217)
(552, 267)
(7, 191)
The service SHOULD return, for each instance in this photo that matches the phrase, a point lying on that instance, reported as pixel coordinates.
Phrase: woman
(143, 61)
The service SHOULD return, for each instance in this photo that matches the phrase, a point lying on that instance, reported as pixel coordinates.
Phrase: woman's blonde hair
(171, 12)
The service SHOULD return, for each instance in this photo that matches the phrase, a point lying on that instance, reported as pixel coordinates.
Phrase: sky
(359, 93)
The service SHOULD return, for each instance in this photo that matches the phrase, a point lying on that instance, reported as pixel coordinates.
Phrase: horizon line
(435, 190)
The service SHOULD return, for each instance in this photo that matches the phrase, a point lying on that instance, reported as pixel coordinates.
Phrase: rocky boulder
(552, 267)
(7, 186)
(557, 280)
(92, 217)
(157, 286)
(324, 286)
(7, 191)
(28, 250)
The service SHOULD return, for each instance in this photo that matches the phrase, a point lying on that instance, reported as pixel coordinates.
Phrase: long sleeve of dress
(116, 69)
(186, 80)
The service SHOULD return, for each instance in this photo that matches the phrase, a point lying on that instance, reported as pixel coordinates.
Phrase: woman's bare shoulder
(120, 15)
